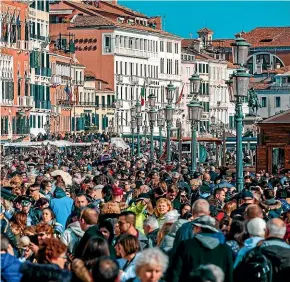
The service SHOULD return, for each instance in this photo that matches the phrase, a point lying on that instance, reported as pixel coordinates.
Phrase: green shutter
(103, 101)
(97, 101)
(73, 124)
(231, 119)
(97, 120)
(103, 123)
(108, 100)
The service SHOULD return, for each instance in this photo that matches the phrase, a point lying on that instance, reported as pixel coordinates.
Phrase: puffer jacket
(72, 235)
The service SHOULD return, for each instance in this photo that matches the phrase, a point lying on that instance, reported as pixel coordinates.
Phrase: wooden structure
(273, 150)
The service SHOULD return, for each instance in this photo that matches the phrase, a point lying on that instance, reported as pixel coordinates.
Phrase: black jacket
(278, 252)
(34, 272)
(202, 249)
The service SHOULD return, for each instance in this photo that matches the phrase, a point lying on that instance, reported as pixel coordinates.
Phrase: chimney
(197, 45)
(158, 21)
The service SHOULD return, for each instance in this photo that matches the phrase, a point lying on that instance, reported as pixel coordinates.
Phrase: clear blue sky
(224, 18)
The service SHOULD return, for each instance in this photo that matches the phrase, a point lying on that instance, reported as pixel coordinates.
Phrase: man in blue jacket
(9, 263)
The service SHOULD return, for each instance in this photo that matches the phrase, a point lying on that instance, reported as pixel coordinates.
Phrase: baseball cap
(247, 194)
(143, 196)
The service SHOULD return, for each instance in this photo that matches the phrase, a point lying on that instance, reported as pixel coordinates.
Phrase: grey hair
(151, 256)
(200, 207)
(256, 227)
(152, 222)
(216, 271)
(276, 230)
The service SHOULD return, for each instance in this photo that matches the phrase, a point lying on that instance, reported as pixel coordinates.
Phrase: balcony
(134, 79)
(26, 101)
(119, 78)
(78, 82)
(131, 52)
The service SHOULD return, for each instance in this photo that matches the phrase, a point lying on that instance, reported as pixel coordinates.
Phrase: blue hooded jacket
(10, 268)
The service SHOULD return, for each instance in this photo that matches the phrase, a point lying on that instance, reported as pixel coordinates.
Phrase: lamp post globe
(133, 112)
(170, 92)
(138, 107)
(152, 100)
(240, 50)
(241, 81)
(195, 81)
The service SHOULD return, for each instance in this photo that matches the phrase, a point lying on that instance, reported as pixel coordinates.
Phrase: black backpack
(254, 267)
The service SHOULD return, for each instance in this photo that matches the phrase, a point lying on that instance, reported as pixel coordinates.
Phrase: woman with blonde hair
(229, 207)
(163, 206)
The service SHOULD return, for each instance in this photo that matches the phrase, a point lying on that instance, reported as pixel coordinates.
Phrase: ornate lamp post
(194, 115)
(240, 90)
(133, 126)
(169, 117)
(160, 124)
(152, 115)
(139, 124)
(145, 130)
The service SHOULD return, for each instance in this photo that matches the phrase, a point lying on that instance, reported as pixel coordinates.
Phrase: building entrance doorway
(278, 159)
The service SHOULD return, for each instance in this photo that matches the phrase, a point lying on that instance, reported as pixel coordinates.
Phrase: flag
(143, 95)
(180, 95)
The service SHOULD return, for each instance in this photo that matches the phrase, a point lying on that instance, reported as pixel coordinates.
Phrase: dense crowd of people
(103, 215)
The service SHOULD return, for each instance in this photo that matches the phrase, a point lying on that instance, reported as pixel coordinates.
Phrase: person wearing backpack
(270, 260)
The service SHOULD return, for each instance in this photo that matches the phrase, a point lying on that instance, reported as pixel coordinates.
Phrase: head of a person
(172, 193)
(200, 207)
(52, 251)
(204, 223)
(252, 211)
(247, 197)
(185, 208)
(269, 194)
(26, 206)
(275, 228)
(105, 270)
(247, 179)
(229, 207)
(34, 190)
(88, 217)
(206, 177)
(20, 218)
(95, 192)
(127, 220)
(118, 194)
(256, 227)
(151, 264)
(107, 229)
(5, 244)
(43, 231)
(47, 215)
(237, 230)
(94, 248)
(42, 203)
(150, 224)
(163, 206)
(81, 201)
(46, 185)
(220, 194)
(207, 273)
(127, 245)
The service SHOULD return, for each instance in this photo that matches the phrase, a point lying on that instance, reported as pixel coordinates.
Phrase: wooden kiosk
(273, 150)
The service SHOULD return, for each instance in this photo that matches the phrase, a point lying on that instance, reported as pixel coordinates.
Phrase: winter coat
(272, 208)
(34, 272)
(61, 206)
(277, 251)
(72, 235)
(152, 238)
(185, 232)
(168, 240)
(10, 268)
(249, 244)
(140, 212)
(202, 249)
(6, 229)
(129, 270)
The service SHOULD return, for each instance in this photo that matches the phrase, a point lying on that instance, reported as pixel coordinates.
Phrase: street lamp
(194, 115)
(179, 131)
(139, 124)
(160, 124)
(169, 117)
(145, 129)
(133, 126)
(240, 86)
(152, 116)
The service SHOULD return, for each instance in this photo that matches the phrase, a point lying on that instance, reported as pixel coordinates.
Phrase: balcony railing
(132, 52)
(43, 71)
(42, 105)
(26, 101)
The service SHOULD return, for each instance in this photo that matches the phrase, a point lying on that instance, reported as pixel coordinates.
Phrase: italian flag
(143, 95)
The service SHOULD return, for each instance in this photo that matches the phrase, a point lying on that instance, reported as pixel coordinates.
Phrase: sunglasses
(41, 234)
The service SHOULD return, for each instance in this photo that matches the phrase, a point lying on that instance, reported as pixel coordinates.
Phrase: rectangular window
(103, 101)
(176, 48)
(200, 68)
(137, 69)
(117, 70)
(107, 44)
(206, 69)
(264, 102)
(169, 47)
(125, 68)
(277, 102)
(161, 46)
(121, 67)
(141, 70)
